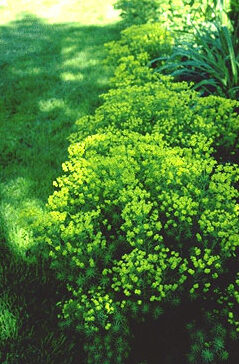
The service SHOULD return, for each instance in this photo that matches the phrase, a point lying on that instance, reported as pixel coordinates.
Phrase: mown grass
(51, 73)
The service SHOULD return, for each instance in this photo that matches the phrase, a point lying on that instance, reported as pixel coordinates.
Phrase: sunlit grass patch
(8, 319)
(84, 12)
(68, 76)
(16, 204)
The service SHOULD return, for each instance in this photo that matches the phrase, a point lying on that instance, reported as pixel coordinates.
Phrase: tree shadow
(50, 75)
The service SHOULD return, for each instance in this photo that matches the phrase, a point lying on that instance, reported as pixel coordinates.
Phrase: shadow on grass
(50, 75)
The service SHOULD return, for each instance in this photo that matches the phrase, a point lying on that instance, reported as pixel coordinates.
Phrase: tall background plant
(210, 59)
(206, 52)
(175, 14)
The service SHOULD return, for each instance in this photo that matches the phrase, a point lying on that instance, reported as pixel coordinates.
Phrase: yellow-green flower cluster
(152, 40)
(181, 116)
(136, 221)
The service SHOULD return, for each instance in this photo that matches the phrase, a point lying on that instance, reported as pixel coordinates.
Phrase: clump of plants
(206, 46)
(183, 118)
(176, 15)
(210, 60)
(134, 223)
(206, 36)
(131, 55)
(138, 12)
(150, 40)
(144, 216)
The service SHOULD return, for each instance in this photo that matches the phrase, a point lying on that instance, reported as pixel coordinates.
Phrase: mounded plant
(133, 224)
(151, 40)
(143, 216)
(171, 109)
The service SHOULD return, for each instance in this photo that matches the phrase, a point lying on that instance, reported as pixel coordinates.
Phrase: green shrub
(132, 71)
(138, 12)
(145, 101)
(173, 110)
(143, 214)
(134, 223)
(151, 40)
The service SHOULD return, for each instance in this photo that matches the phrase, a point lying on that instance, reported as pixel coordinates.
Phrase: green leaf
(207, 355)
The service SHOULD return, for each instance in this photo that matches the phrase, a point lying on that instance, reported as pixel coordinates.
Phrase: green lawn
(51, 73)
